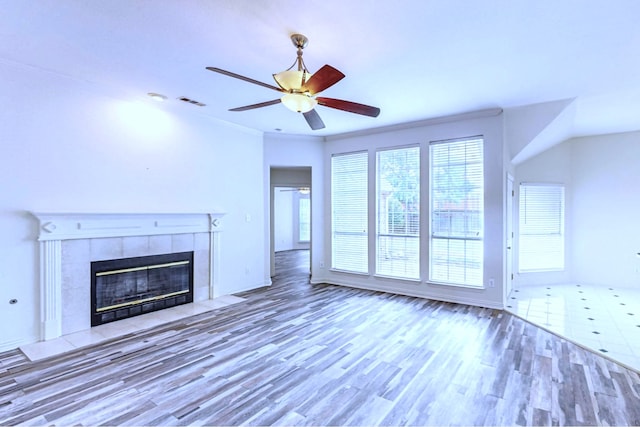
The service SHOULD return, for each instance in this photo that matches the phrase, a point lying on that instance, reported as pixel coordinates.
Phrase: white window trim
(429, 280)
(299, 198)
(377, 233)
(366, 233)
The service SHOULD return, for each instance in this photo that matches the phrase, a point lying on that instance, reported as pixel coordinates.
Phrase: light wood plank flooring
(297, 354)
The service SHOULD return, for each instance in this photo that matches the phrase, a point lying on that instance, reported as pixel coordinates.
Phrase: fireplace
(128, 287)
(70, 242)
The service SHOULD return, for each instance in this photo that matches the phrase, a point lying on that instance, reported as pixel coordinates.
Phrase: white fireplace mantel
(64, 226)
(57, 227)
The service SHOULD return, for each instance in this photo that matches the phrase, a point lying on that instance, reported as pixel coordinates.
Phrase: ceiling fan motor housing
(299, 41)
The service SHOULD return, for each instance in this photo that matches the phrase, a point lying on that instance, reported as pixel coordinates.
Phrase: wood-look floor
(297, 354)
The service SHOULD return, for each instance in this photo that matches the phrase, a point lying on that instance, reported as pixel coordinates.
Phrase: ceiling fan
(300, 88)
(301, 190)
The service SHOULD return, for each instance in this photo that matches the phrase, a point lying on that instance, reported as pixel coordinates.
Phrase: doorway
(290, 214)
(291, 218)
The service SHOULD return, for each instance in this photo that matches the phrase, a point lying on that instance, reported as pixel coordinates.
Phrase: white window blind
(541, 227)
(398, 213)
(349, 223)
(457, 212)
(304, 218)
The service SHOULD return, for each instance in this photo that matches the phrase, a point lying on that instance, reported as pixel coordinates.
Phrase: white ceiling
(415, 59)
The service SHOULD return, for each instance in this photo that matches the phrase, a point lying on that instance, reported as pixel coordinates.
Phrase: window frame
(414, 222)
(433, 235)
(304, 197)
(561, 227)
(340, 267)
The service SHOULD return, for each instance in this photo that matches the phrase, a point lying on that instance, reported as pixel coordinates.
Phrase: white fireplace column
(50, 289)
(214, 255)
(54, 228)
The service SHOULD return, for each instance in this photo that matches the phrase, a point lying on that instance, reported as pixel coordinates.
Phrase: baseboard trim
(12, 345)
(465, 301)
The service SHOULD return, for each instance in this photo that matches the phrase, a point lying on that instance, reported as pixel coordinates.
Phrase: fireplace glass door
(127, 287)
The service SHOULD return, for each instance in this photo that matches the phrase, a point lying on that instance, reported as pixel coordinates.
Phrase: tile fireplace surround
(69, 242)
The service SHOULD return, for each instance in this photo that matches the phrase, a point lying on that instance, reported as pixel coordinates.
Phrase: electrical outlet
(492, 283)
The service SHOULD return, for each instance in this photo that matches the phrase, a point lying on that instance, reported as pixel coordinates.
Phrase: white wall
(606, 209)
(71, 147)
(491, 128)
(532, 129)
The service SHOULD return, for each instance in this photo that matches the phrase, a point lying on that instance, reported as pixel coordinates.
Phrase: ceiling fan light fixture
(298, 102)
(291, 80)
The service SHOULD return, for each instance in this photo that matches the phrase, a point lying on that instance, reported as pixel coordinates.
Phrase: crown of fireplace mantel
(64, 226)
(54, 228)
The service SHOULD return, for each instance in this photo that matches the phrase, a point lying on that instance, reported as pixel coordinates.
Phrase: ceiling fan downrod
(300, 42)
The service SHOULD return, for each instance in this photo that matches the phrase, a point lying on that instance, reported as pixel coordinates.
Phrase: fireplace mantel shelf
(64, 226)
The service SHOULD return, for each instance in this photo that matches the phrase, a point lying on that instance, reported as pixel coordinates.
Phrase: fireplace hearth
(127, 287)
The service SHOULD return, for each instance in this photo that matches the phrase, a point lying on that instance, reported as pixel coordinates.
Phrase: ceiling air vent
(191, 101)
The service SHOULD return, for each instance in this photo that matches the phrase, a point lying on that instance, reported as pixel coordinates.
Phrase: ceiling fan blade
(302, 190)
(252, 106)
(351, 107)
(313, 118)
(325, 77)
(246, 79)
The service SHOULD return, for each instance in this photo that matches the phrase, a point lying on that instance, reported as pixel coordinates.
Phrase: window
(304, 218)
(541, 242)
(349, 223)
(457, 212)
(398, 213)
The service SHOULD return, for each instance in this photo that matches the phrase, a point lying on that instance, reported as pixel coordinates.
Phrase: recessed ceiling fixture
(157, 97)
(300, 87)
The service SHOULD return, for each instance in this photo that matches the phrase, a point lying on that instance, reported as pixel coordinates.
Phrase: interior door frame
(287, 176)
(508, 279)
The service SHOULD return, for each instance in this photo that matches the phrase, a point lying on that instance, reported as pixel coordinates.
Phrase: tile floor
(97, 334)
(601, 318)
